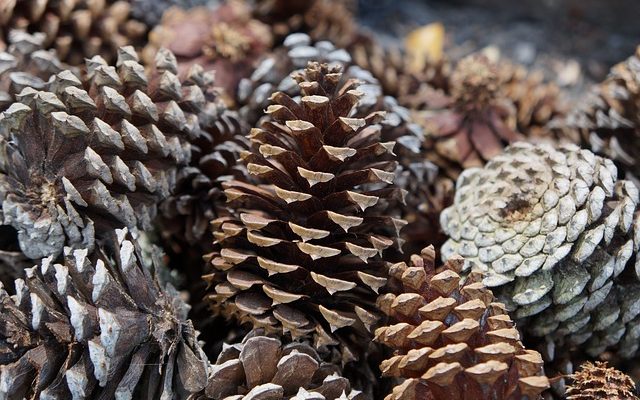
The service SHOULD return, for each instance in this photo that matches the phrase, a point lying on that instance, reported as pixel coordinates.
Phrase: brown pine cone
(77, 29)
(262, 367)
(119, 136)
(25, 64)
(451, 339)
(225, 39)
(608, 119)
(304, 250)
(97, 325)
(599, 381)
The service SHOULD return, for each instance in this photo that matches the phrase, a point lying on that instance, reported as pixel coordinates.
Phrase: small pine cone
(556, 233)
(226, 39)
(118, 134)
(25, 64)
(608, 120)
(599, 381)
(76, 29)
(262, 367)
(303, 250)
(451, 339)
(332, 20)
(97, 326)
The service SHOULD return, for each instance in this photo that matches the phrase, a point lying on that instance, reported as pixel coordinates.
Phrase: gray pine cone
(97, 326)
(150, 11)
(25, 64)
(98, 151)
(556, 234)
(262, 367)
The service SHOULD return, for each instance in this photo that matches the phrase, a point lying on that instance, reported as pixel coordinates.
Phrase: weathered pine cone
(25, 64)
(97, 326)
(303, 252)
(557, 234)
(226, 39)
(608, 119)
(599, 381)
(262, 367)
(118, 134)
(451, 339)
(75, 28)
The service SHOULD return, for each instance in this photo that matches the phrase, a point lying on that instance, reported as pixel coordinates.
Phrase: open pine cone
(608, 120)
(557, 235)
(262, 367)
(451, 339)
(118, 134)
(599, 381)
(303, 251)
(97, 326)
(76, 29)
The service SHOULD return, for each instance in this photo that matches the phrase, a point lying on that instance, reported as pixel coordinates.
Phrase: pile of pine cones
(256, 200)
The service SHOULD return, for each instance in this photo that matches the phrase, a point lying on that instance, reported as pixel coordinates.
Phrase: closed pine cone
(557, 235)
(599, 381)
(119, 135)
(451, 339)
(262, 367)
(97, 325)
(77, 29)
(304, 250)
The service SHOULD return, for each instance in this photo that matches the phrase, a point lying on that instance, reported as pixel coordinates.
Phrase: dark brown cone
(303, 251)
(262, 367)
(119, 136)
(607, 121)
(599, 381)
(225, 39)
(76, 29)
(25, 64)
(451, 339)
(97, 326)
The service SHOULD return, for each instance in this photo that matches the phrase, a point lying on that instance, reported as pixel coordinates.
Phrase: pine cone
(451, 339)
(119, 136)
(263, 367)
(225, 39)
(97, 326)
(599, 381)
(76, 29)
(608, 119)
(556, 234)
(25, 64)
(303, 251)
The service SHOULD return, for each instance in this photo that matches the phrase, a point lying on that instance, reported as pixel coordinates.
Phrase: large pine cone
(75, 28)
(557, 235)
(25, 64)
(608, 120)
(599, 381)
(451, 339)
(97, 326)
(303, 252)
(97, 151)
(262, 367)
